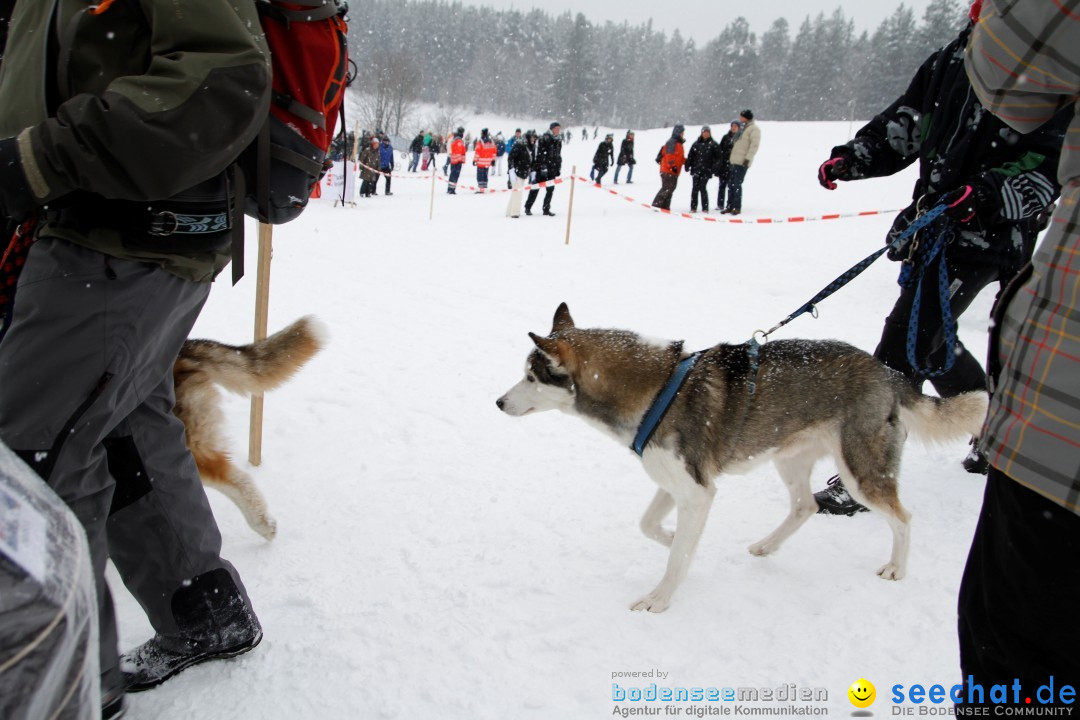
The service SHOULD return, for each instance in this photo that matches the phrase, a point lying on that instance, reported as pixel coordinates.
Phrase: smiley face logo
(862, 693)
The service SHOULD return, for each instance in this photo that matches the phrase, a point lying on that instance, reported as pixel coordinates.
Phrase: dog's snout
(500, 403)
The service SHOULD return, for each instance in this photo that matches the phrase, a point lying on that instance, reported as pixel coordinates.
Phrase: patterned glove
(831, 170)
(961, 204)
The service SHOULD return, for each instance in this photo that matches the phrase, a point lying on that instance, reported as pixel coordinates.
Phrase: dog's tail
(936, 419)
(255, 368)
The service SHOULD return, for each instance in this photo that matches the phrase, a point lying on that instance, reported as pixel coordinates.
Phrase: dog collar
(662, 402)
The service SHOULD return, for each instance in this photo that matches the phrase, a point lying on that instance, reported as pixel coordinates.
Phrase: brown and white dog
(805, 399)
(201, 367)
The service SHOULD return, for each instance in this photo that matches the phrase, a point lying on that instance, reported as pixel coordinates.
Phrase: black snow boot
(976, 462)
(836, 500)
(215, 622)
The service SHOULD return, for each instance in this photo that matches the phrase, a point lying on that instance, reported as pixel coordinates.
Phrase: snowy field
(436, 558)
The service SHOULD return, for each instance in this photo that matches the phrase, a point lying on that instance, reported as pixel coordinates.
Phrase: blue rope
(911, 274)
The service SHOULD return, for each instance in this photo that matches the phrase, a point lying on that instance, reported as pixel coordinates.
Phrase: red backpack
(309, 53)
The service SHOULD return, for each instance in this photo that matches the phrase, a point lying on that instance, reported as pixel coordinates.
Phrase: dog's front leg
(693, 502)
(662, 504)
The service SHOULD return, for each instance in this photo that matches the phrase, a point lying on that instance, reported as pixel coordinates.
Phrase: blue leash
(911, 272)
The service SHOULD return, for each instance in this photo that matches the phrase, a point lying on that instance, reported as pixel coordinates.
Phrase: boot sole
(195, 660)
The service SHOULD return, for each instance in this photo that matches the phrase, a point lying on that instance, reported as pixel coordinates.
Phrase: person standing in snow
(547, 166)
(1021, 584)
(997, 184)
(603, 158)
(483, 158)
(369, 168)
(455, 159)
(723, 161)
(386, 162)
(701, 164)
(522, 156)
(626, 157)
(743, 151)
(106, 299)
(500, 154)
(416, 148)
(671, 159)
(509, 148)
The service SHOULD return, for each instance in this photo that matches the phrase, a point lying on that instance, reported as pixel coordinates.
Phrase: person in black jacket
(547, 166)
(997, 184)
(723, 160)
(603, 158)
(701, 164)
(522, 156)
(416, 147)
(626, 157)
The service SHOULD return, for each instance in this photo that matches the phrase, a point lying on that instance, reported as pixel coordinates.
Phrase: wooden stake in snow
(262, 311)
(570, 210)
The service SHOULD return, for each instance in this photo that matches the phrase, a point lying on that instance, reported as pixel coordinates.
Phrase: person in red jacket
(483, 158)
(671, 159)
(457, 159)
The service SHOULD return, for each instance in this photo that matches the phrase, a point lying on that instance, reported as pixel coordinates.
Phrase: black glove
(961, 204)
(16, 200)
(831, 170)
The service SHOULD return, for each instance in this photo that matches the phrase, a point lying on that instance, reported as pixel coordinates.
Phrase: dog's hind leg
(869, 468)
(216, 471)
(692, 501)
(795, 472)
(662, 504)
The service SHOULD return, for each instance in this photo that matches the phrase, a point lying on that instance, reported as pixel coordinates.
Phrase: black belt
(173, 227)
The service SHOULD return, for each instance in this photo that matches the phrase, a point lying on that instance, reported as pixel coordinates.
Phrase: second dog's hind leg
(662, 504)
(218, 472)
(795, 472)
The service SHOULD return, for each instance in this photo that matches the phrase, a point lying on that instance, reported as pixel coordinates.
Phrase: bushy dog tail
(255, 368)
(935, 419)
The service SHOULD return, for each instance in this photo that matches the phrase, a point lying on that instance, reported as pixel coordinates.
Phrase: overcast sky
(705, 19)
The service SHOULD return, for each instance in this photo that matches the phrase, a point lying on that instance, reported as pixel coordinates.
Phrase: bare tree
(390, 86)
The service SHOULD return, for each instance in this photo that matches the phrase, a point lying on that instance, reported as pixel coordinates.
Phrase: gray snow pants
(86, 398)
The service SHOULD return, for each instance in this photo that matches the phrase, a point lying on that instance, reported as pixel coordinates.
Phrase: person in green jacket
(119, 123)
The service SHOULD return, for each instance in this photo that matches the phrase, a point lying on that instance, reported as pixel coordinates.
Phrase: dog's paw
(761, 549)
(662, 536)
(653, 602)
(266, 526)
(891, 571)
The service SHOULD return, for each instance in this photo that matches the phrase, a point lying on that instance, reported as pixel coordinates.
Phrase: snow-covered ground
(438, 559)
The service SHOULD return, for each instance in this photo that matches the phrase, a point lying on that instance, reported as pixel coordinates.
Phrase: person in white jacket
(742, 155)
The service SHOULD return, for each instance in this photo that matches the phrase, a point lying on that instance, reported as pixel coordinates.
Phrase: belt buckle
(157, 227)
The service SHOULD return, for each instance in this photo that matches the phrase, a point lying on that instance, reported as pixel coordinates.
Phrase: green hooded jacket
(133, 101)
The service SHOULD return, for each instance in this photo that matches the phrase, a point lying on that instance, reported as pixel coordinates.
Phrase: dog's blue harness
(662, 402)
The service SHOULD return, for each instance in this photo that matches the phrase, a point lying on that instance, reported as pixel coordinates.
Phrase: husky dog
(248, 369)
(804, 399)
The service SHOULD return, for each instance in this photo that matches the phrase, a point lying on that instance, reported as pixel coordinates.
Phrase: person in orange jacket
(483, 158)
(671, 159)
(457, 159)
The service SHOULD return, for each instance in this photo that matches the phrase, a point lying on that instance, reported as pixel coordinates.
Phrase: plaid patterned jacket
(1024, 64)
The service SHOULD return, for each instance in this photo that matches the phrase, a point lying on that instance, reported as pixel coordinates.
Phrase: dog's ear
(562, 321)
(557, 349)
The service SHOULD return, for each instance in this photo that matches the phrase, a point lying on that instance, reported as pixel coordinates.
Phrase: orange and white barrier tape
(397, 175)
(737, 220)
(493, 191)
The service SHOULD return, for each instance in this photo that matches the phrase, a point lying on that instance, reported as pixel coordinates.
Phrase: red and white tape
(397, 175)
(493, 191)
(738, 220)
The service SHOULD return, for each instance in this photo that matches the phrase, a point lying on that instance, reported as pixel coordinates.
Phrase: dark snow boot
(976, 462)
(836, 500)
(214, 622)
